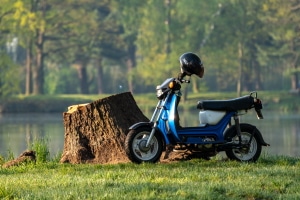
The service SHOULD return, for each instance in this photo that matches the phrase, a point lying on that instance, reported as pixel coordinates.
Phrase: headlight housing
(159, 93)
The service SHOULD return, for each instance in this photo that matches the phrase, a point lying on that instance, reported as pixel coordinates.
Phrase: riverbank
(282, 101)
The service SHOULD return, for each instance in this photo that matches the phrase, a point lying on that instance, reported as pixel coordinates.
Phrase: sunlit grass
(272, 177)
(269, 178)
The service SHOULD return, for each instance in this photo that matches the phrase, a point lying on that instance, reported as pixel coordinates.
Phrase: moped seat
(240, 103)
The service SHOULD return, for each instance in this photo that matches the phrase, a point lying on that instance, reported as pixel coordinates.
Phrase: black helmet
(190, 64)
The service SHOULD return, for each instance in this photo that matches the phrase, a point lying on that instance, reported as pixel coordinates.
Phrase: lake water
(17, 131)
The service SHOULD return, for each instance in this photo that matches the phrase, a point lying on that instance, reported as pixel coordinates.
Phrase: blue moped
(219, 128)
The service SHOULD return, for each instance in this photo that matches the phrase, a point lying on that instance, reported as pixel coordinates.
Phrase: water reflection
(282, 131)
(17, 131)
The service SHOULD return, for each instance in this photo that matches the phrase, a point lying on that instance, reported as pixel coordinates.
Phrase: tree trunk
(258, 76)
(95, 132)
(168, 25)
(28, 81)
(240, 70)
(131, 64)
(82, 76)
(38, 85)
(129, 71)
(99, 76)
(294, 79)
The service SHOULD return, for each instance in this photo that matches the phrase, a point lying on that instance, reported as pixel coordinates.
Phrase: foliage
(272, 177)
(9, 76)
(40, 146)
(60, 80)
(245, 45)
(285, 18)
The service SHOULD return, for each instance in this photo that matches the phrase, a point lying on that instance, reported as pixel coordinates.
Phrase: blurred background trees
(111, 46)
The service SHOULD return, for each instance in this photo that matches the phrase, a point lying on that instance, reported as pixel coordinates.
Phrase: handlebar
(185, 81)
(180, 78)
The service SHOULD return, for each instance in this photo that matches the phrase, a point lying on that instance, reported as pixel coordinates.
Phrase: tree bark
(95, 132)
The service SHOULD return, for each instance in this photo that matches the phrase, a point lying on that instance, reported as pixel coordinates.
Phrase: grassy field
(272, 100)
(272, 177)
(269, 178)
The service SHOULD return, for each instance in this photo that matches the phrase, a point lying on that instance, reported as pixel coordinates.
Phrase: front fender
(139, 124)
(150, 125)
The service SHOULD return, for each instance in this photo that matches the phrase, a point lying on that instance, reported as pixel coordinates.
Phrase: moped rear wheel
(246, 154)
(135, 146)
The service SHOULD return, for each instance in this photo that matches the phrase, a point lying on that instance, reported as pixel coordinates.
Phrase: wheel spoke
(247, 147)
(136, 145)
(251, 150)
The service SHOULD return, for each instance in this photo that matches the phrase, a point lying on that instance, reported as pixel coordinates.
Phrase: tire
(135, 145)
(244, 155)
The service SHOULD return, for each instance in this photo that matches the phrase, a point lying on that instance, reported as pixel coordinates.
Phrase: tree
(9, 76)
(193, 28)
(30, 24)
(245, 45)
(151, 44)
(238, 33)
(129, 13)
(92, 36)
(283, 17)
(167, 30)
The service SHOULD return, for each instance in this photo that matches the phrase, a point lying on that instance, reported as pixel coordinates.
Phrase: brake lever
(259, 114)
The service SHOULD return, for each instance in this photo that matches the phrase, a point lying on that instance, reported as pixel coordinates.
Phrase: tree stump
(95, 132)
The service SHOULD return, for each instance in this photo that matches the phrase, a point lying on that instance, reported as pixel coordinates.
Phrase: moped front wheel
(136, 149)
(247, 152)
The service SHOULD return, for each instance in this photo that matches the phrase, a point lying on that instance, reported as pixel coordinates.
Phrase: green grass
(269, 178)
(272, 100)
(272, 177)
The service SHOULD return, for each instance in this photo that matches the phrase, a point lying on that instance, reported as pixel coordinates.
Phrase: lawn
(272, 177)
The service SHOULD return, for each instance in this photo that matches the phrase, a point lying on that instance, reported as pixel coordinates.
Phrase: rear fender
(255, 130)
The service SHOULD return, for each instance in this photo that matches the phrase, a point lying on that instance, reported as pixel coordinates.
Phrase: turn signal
(171, 84)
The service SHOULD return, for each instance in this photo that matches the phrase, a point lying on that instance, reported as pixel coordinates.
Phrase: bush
(40, 146)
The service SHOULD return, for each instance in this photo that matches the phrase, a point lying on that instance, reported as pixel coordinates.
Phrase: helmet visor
(200, 73)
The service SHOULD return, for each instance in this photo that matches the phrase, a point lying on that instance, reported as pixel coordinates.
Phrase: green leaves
(143, 40)
(9, 76)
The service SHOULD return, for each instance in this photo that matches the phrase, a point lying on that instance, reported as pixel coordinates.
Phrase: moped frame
(163, 119)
